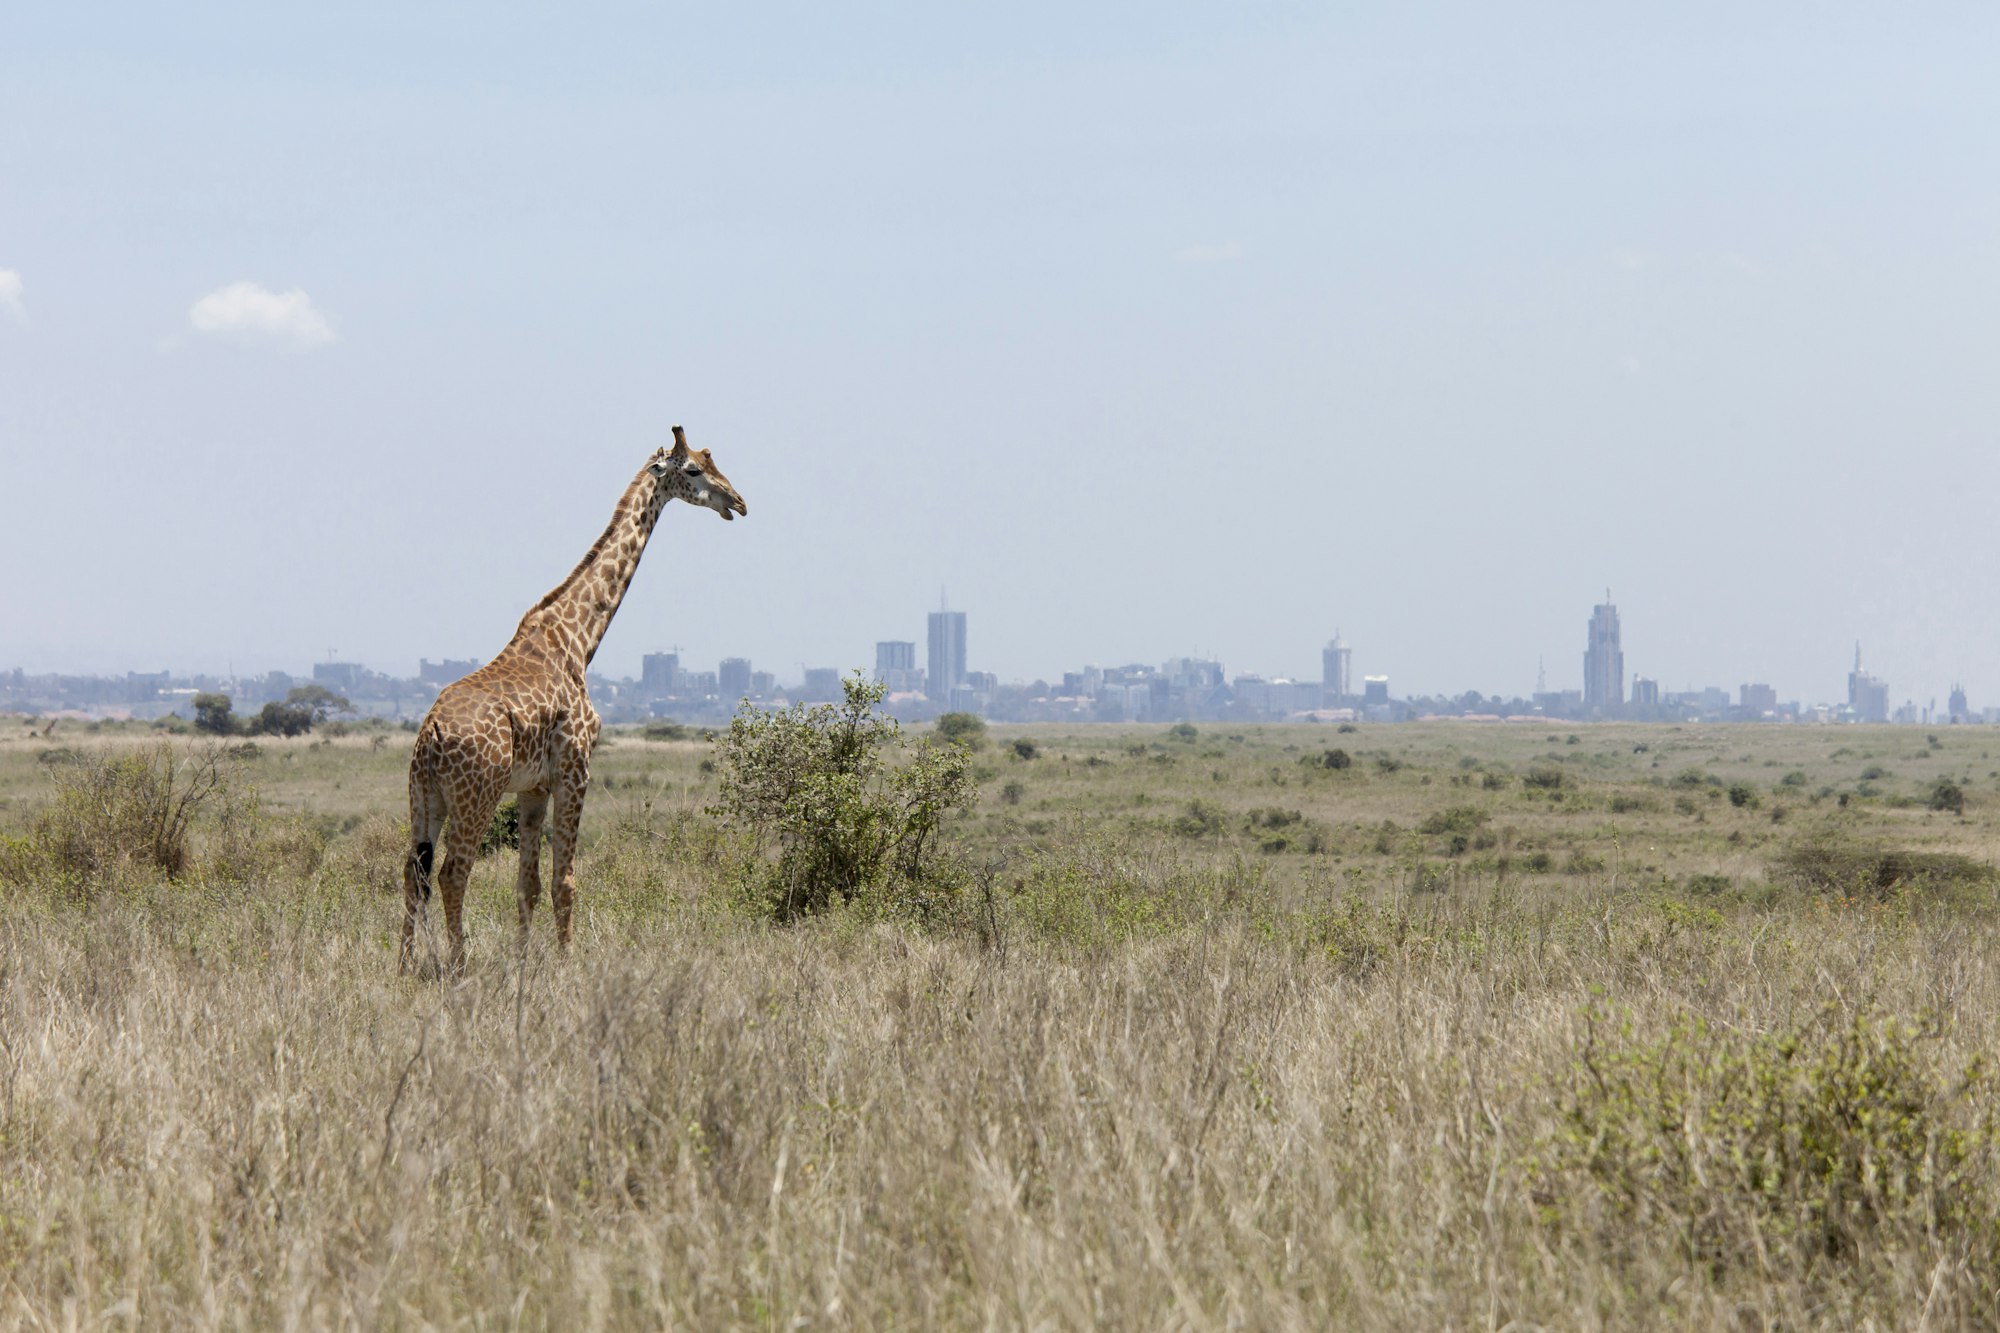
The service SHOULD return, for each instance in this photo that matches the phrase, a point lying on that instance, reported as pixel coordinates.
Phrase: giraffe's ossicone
(523, 722)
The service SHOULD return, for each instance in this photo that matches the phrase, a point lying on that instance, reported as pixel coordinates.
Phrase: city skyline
(1133, 689)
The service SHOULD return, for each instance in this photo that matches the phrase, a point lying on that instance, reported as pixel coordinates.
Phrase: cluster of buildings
(1179, 689)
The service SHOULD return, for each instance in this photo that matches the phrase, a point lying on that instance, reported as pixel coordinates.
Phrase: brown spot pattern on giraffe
(523, 723)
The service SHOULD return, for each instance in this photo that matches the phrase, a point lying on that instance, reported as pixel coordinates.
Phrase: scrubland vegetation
(1417, 1026)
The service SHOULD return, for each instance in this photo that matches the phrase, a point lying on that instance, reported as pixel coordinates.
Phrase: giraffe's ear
(680, 445)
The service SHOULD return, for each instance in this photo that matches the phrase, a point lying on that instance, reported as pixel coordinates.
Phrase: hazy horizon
(1144, 332)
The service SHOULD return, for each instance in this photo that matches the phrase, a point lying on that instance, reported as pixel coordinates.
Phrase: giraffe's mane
(627, 504)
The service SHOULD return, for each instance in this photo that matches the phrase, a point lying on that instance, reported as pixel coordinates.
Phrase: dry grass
(1151, 1081)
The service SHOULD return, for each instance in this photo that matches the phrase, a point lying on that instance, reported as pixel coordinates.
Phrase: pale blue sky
(1148, 330)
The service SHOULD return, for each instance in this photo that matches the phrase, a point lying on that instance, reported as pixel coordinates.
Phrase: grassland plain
(1434, 1025)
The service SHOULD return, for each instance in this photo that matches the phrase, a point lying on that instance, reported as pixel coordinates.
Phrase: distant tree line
(303, 708)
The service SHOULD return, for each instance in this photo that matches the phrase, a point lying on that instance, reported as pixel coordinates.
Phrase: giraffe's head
(691, 475)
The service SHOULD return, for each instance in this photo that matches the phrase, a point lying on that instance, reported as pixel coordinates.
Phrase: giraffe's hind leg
(534, 808)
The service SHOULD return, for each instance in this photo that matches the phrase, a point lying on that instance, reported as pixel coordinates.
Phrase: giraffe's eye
(692, 469)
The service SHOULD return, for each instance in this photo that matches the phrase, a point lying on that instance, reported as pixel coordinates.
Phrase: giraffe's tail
(426, 813)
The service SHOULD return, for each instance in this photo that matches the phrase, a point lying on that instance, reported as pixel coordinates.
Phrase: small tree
(816, 785)
(967, 729)
(305, 707)
(212, 714)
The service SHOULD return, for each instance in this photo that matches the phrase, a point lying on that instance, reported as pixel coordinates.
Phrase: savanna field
(1417, 1026)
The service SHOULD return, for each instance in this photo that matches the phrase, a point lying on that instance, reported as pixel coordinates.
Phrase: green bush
(834, 806)
(1544, 777)
(1202, 820)
(1793, 1148)
(1743, 796)
(1830, 861)
(1948, 796)
(1025, 749)
(505, 828)
(1457, 819)
(1183, 731)
(1337, 760)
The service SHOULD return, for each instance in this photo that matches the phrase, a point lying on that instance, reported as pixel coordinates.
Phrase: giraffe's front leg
(534, 809)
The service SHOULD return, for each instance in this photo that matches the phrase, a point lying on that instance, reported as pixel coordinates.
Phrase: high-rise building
(1867, 695)
(1337, 670)
(445, 672)
(660, 674)
(1604, 661)
(822, 685)
(947, 654)
(1375, 691)
(1756, 700)
(896, 665)
(732, 678)
(1645, 692)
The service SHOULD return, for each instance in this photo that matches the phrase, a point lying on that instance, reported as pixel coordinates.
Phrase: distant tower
(732, 678)
(1604, 661)
(946, 664)
(1867, 696)
(1336, 662)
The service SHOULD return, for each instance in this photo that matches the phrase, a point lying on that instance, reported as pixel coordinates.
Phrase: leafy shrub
(1025, 749)
(1337, 760)
(1544, 777)
(967, 729)
(505, 828)
(1795, 778)
(1832, 862)
(1274, 818)
(1798, 1147)
(1628, 805)
(1202, 820)
(1948, 796)
(1346, 729)
(1456, 819)
(1743, 796)
(1183, 731)
(1013, 792)
(1692, 777)
(114, 812)
(664, 730)
(815, 788)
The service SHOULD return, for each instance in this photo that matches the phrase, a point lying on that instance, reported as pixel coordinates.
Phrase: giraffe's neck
(577, 612)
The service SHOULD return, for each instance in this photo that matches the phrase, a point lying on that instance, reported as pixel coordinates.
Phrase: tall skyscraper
(1867, 695)
(660, 674)
(1604, 661)
(1336, 669)
(732, 678)
(946, 663)
(896, 664)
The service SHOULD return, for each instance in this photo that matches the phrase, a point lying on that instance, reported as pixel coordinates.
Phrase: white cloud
(248, 311)
(1211, 254)
(10, 295)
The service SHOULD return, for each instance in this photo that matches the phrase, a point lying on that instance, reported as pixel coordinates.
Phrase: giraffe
(523, 722)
